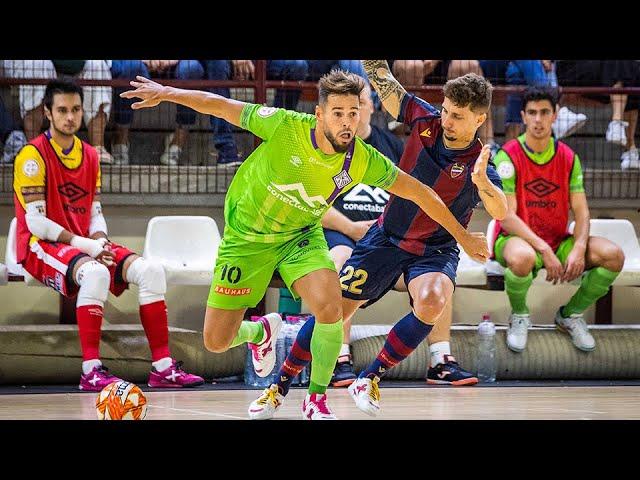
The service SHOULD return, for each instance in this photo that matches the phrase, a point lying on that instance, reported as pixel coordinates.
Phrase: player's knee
(522, 263)
(94, 279)
(329, 312)
(613, 258)
(429, 306)
(150, 278)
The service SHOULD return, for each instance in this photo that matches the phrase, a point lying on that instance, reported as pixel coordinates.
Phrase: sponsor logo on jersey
(456, 170)
(426, 133)
(295, 161)
(72, 191)
(365, 194)
(342, 179)
(541, 187)
(234, 292)
(303, 243)
(30, 168)
(314, 202)
(265, 112)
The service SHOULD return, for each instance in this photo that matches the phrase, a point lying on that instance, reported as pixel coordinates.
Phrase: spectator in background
(97, 100)
(123, 114)
(11, 137)
(532, 73)
(62, 241)
(347, 221)
(624, 118)
(244, 70)
(534, 232)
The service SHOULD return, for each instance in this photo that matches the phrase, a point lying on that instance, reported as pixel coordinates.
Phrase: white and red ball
(121, 401)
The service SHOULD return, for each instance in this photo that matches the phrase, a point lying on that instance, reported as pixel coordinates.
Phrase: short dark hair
(470, 89)
(535, 94)
(60, 86)
(339, 82)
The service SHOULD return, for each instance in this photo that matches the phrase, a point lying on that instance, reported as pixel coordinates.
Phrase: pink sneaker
(97, 379)
(264, 354)
(315, 407)
(173, 377)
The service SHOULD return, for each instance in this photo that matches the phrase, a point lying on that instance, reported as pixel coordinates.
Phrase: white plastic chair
(622, 233)
(10, 257)
(186, 246)
(470, 272)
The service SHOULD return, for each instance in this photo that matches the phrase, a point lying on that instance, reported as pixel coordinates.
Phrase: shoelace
(519, 321)
(322, 405)
(269, 395)
(105, 371)
(178, 367)
(579, 325)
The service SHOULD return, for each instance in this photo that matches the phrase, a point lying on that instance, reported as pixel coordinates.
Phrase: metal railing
(205, 182)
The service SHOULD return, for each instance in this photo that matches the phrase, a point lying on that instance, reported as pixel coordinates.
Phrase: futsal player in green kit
(272, 217)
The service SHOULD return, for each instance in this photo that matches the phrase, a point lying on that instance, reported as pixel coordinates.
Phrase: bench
(619, 231)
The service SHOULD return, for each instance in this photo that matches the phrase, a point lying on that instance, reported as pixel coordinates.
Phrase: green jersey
(505, 168)
(287, 184)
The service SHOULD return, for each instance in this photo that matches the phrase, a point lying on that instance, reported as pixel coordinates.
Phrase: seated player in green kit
(542, 179)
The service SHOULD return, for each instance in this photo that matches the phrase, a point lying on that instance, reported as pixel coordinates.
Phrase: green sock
(517, 288)
(251, 332)
(595, 284)
(326, 342)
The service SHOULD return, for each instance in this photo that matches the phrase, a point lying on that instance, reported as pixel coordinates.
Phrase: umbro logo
(426, 133)
(72, 191)
(541, 187)
(295, 160)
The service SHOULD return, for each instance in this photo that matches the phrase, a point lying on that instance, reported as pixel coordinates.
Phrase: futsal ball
(121, 401)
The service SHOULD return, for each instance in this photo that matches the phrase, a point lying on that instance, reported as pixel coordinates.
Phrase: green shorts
(244, 269)
(562, 252)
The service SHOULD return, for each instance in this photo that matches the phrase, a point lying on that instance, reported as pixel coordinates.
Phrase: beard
(338, 147)
(63, 129)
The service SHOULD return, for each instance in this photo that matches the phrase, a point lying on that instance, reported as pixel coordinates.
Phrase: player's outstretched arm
(405, 186)
(152, 93)
(389, 89)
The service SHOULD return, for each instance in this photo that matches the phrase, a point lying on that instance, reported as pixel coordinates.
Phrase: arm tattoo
(487, 192)
(385, 84)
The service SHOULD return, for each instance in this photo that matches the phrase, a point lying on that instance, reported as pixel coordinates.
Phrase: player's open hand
(149, 91)
(479, 174)
(475, 244)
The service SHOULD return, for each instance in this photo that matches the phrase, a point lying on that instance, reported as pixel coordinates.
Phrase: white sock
(88, 365)
(344, 350)
(162, 364)
(438, 351)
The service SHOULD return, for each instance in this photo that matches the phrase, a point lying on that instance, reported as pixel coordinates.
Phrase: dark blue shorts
(335, 238)
(376, 264)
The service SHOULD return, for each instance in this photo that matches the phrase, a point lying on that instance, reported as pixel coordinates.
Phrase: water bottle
(251, 378)
(486, 355)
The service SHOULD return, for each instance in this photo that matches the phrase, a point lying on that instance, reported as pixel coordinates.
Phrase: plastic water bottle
(250, 376)
(486, 354)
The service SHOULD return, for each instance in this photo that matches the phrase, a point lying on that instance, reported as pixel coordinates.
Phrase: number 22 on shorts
(359, 278)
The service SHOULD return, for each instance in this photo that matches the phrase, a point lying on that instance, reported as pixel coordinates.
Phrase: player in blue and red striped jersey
(443, 152)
